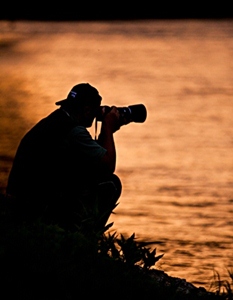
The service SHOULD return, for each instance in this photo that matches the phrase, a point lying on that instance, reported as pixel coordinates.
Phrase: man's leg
(108, 192)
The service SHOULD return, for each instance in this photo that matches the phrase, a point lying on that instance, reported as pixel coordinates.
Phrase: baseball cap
(81, 92)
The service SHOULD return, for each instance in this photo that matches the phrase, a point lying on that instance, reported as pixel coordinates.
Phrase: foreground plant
(128, 250)
(223, 288)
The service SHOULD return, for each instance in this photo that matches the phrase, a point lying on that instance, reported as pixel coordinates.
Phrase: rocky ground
(181, 288)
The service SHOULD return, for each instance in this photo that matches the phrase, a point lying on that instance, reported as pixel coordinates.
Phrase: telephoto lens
(133, 113)
(136, 113)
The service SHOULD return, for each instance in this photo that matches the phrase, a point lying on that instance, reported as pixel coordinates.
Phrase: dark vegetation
(42, 261)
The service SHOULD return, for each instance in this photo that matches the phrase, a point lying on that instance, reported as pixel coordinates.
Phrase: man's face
(91, 112)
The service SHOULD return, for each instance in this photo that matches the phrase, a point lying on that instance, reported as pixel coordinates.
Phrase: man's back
(37, 167)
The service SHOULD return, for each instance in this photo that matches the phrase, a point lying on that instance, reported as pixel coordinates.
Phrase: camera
(133, 113)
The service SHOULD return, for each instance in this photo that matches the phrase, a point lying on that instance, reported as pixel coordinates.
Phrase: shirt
(54, 156)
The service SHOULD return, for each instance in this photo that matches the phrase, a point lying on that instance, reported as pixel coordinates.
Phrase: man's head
(83, 101)
(81, 95)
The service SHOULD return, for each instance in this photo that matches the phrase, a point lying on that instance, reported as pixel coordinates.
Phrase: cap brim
(60, 102)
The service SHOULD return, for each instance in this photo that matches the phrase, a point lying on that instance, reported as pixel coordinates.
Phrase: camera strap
(96, 129)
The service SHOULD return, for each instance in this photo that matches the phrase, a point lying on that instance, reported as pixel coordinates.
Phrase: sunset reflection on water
(176, 168)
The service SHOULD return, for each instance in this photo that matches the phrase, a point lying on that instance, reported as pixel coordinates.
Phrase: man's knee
(111, 187)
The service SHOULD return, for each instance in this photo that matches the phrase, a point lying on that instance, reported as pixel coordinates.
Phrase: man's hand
(112, 120)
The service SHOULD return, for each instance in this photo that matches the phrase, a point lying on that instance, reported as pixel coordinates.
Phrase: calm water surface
(177, 167)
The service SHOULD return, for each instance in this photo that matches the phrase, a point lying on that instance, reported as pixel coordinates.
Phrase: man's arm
(110, 124)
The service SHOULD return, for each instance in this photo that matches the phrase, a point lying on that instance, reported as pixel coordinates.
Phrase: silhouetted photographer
(62, 175)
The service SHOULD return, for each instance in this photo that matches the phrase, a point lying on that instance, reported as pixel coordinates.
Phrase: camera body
(133, 113)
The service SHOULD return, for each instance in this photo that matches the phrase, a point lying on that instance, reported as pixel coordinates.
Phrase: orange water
(177, 167)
